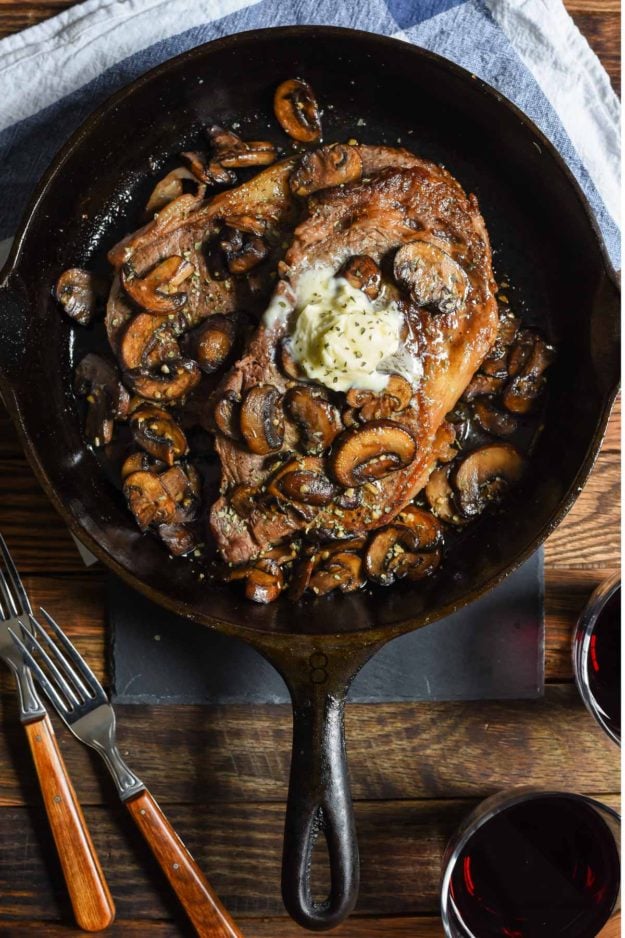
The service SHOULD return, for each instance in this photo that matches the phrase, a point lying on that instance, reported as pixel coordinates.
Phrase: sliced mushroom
(297, 111)
(227, 414)
(262, 419)
(179, 539)
(326, 167)
(395, 398)
(182, 483)
(342, 570)
(440, 496)
(495, 363)
(212, 342)
(317, 419)
(300, 578)
(483, 386)
(155, 291)
(243, 499)
(264, 582)
(242, 252)
(485, 475)
(171, 382)
(302, 482)
(394, 552)
(247, 153)
(370, 452)
(432, 277)
(221, 138)
(147, 340)
(107, 398)
(424, 525)
(493, 420)
(527, 363)
(287, 363)
(364, 274)
(139, 462)
(148, 500)
(209, 172)
(77, 291)
(250, 224)
(167, 189)
(156, 431)
(350, 416)
(445, 448)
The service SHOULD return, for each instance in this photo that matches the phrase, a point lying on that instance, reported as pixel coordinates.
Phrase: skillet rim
(255, 635)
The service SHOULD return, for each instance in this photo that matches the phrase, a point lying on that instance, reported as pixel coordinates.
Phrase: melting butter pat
(339, 337)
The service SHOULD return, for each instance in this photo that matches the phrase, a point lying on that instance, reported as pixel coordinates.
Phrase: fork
(79, 699)
(89, 894)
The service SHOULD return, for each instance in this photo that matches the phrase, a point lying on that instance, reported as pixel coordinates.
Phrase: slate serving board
(492, 649)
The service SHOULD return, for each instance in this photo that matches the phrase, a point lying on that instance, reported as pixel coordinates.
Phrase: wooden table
(416, 769)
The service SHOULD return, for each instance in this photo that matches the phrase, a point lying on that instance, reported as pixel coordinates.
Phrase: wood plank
(194, 754)
(239, 848)
(602, 29)
(355, 927)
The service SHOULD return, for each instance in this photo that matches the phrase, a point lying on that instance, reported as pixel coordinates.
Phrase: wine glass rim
(500, 803)
(582, 635)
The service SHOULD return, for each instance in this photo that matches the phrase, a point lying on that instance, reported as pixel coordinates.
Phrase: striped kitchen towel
(54, 74)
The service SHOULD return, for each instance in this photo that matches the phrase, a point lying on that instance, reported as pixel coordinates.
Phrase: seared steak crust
(400, 199)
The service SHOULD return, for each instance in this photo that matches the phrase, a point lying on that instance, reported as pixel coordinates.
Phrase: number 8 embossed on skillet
(316, 383)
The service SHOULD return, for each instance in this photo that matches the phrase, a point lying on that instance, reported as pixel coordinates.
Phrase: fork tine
(14, 577)
(94, 688)
(41, 637)
(8, 603)
(46, 686)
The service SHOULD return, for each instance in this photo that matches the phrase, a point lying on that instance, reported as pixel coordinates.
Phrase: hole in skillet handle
(319, 805)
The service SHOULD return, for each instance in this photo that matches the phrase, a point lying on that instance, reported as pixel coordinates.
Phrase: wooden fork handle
(87, 887)
(199, 900)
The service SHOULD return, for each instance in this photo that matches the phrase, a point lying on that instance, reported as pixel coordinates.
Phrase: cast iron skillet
(545, 241)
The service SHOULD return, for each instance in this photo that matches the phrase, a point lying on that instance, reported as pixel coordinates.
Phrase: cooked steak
(403, 211)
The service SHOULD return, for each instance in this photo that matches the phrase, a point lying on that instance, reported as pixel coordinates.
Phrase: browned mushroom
(495, 363)
(209, 172)
(250, 224)
(370, 452)
(440, 496)
(300, 577)
(432, 277)
(242, 499)
(147, 340)
(172, 381)
(423, 523)
(264, 582)
(485, 475)
(227, 415)
(182, 484)
(493, 420)
(242, 252)
(527, 363)
(302, 482)
(247, 153)
(148, 500)
(342, 570)
(317, 419)
(297, 111)
(221, 138)
(107, 398)
(350, 416)
(262, 419)
(156, 291)
(139, 462)
(179, 539)
(287, 363)
(364, 274)
(77, 291)
(483, 385)
(156, 431)
(372, 405)
(326, 167)
(167, 189)
(211, 343)
(395, 552)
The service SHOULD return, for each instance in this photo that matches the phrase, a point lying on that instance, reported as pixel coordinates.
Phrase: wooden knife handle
(201, 903)
(88, 890)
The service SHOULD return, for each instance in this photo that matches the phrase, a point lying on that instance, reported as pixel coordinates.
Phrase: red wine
(604, 663)
(547, 867)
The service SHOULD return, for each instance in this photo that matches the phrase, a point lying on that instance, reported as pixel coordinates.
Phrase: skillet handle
(319, 803)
